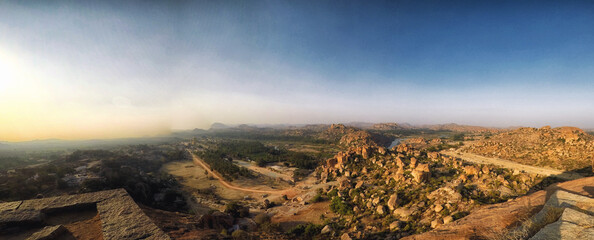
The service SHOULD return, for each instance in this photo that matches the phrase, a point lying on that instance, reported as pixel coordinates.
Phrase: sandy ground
(511, 165)
(283, 173)
(194, 176)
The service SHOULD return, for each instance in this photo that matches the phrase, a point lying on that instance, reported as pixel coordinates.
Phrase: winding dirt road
(216, 175)
(469, 157)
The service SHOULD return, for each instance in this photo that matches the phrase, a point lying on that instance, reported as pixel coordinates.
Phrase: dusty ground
(275, 172)
(511, 165)
(288, 212)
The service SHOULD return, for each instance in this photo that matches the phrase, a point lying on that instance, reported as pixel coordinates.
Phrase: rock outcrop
(120, 217)
(503, 217)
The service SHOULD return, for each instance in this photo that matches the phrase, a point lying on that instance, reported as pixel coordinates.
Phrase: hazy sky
(77, 69)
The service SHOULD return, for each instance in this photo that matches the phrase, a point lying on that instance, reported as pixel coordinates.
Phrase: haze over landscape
(83, 70)
(300, 120)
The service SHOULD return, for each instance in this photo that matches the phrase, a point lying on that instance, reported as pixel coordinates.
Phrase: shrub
(262, 218)
(307, 231)
(341, 207)
(236, 210)
(240, 234)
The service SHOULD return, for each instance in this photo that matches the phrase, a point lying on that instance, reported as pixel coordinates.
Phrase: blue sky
(144, 68)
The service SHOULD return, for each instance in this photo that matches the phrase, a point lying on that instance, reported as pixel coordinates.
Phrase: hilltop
(564, 148)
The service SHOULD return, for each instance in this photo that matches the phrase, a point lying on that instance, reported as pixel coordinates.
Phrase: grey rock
(47, 233)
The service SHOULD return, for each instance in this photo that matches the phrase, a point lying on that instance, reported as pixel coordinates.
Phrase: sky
(84, 69)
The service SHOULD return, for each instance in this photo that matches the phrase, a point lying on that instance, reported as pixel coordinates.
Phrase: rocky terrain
(360, 189)
(392, 193)
(564, 148)
(534, 216)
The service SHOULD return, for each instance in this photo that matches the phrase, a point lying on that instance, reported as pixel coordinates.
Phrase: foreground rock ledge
(120, 217)
(497, 218)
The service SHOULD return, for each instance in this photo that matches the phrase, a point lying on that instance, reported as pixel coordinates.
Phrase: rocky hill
(351, 136)
(392, 193)
(564, 148)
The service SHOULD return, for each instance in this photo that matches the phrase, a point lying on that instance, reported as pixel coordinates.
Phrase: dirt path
(511, 165)
(216, 175)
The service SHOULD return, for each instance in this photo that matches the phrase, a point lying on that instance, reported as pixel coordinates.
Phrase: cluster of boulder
(393, 183)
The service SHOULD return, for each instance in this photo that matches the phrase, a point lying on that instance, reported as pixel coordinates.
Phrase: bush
(341, 207)
(307, 231)
(236, 210)
(240, 234)
(318, 198)
(262, 218)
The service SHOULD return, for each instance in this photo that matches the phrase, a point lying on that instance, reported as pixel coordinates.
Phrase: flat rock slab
(561, 200)
(47, 204)
(121, 218)
(569, 200)
(9, 206)
(23, 216)
(47, 233)
(572, 225)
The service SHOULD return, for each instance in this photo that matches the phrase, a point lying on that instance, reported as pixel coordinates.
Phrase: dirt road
(216, 175)
(469, 157)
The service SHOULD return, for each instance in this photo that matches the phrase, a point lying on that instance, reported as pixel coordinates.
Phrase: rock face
(575, 222)
(572, 225)
(120, 217)
(47, 233)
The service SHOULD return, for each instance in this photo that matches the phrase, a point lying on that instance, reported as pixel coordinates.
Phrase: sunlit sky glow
(80, 70)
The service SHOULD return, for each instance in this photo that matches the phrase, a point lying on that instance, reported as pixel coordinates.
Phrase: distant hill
(459, 128)
(218, 125)
(564, 148)
(436, 127)
(59, 144)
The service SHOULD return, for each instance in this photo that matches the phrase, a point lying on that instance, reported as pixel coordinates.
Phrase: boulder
(392, 202)
(380, 210)
(402, 212)
(326, 229)
(345, 236)
(438, 208)
(471, 170)
(421, 173)
(436, 223)
(394, 225)
(448, 219)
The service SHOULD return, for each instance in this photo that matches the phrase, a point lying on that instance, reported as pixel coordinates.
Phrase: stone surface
(392, 202)
(47, 233)
(121, 218)
(9, 206)
(572, 224)
(326, 229)
(345, 236)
